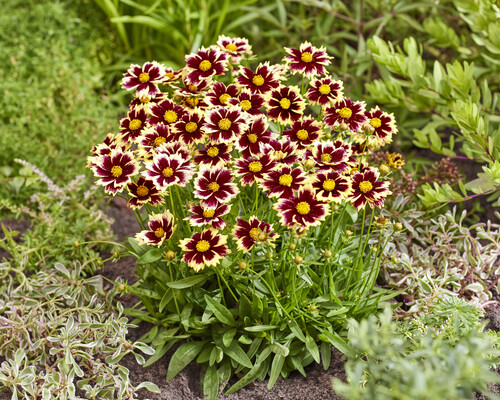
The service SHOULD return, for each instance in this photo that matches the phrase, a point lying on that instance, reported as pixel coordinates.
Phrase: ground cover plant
(52, 100)
(220, 150)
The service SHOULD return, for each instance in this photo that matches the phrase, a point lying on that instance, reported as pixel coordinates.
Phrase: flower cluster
(209, 137)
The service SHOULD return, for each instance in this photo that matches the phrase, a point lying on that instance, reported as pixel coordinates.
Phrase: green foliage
(61, 220)
(442, 355)
(442, 257)
(60, 333)
(453, 103)
(52, 103)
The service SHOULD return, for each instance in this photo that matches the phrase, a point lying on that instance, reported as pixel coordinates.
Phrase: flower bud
(343, 127)
(398, 226)
(313, 307)
(122, 287)
(384, 169)
(309, 163)
(76, 244)
(116, 254)
(242, 265)
(348, 232)
(170, 255)
(99, 262)
(292, 246)
(327, 253)
(298, 260)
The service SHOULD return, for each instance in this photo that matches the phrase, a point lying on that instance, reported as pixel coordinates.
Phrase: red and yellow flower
(346, 111)
(115, 170)
(382, 125)
(332, 186)
(204, 249)
(303, 209)
(284, 181)
(205, 64)
(133, 126)
(202, 215)
(236, 48)
(249, 102)
(285, 104)
(330, 155)
(213, 154)
(166, 112)
(161, 229)
(189, 130)
(146, 77)
(152, 138)
(255, 138)
(225, 125)
(284, 151)
(215, 186)
(325, 91)
(307, 60)
(143, 192)
(304, 132)
(220, 95)
(252, 169)
(249, 233)
(262, 81)
(168, 169)
(368, 189)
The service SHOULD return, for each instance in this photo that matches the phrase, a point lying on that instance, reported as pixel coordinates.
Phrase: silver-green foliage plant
(443, 257)
(62, 339)
(452, 100)
(438, 355)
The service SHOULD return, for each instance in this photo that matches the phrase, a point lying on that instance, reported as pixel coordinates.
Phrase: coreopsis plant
(255, 198)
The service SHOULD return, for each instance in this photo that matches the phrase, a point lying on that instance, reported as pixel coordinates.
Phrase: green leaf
(312, 347)
(211, 383)
(182, 357)
(235, 352)
(228, 336)
(326, 354)
(276, 367)
(249, 377)
(188, 282)
(260, 328)
(149, 386)
(220, 312)
(150, 256)
(294, 327)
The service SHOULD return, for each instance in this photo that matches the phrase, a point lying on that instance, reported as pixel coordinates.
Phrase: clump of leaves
(443, 257)
(444, 355)
(62, 338)
(62, 219)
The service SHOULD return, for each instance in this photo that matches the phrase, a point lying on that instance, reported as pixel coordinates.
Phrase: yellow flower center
(329, 184)
(208, 212)
(365, 186)
(255, 166)
(191, 127)
(159, 140)
(205, 65)
(169, 75)
(134, 124)
(326, 157)
(224, 98)
(303, 208)
(116, 171)
(193, 101)
(202, 246)
(231, 47)
(302, 134)
(252, 138)
(258, 80)
(345, 113)
(245, 105)
(213, 186)
(142, 191)
(254, 233)
(159, 232)
(144, 77)
(325, 89)
(145, 99)
(306, 57)
(375, 122)
(224, 124)
(286, 180)
(170, 116)
(213, 152)
(192, 88)
(167, 172)
(285, 103)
